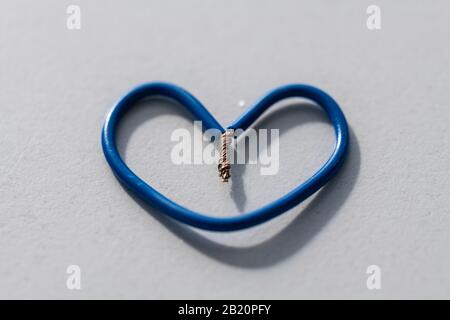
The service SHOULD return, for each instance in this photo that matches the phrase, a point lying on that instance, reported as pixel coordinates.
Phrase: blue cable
(269, 211)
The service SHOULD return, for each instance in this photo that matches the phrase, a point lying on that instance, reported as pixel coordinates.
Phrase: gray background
(61, 205)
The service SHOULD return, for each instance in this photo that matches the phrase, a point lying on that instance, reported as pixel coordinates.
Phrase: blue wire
(175, 211)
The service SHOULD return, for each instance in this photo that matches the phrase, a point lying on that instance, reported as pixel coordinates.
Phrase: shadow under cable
(309, 221)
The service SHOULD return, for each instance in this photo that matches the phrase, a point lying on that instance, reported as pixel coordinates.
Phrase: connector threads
(224, 160)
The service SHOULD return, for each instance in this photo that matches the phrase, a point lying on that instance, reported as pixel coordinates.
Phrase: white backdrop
(61, 205)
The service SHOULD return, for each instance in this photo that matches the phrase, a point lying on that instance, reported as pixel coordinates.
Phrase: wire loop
(199, 220)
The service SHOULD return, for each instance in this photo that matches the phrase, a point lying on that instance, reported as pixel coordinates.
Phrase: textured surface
(60, 204)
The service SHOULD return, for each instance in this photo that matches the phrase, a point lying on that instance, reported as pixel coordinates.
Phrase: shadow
(309, 222)
(237, 192)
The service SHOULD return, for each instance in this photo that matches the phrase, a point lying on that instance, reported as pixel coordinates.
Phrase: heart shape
(273, 209)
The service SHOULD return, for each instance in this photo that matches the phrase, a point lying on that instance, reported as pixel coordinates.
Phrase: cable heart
(249, 219)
